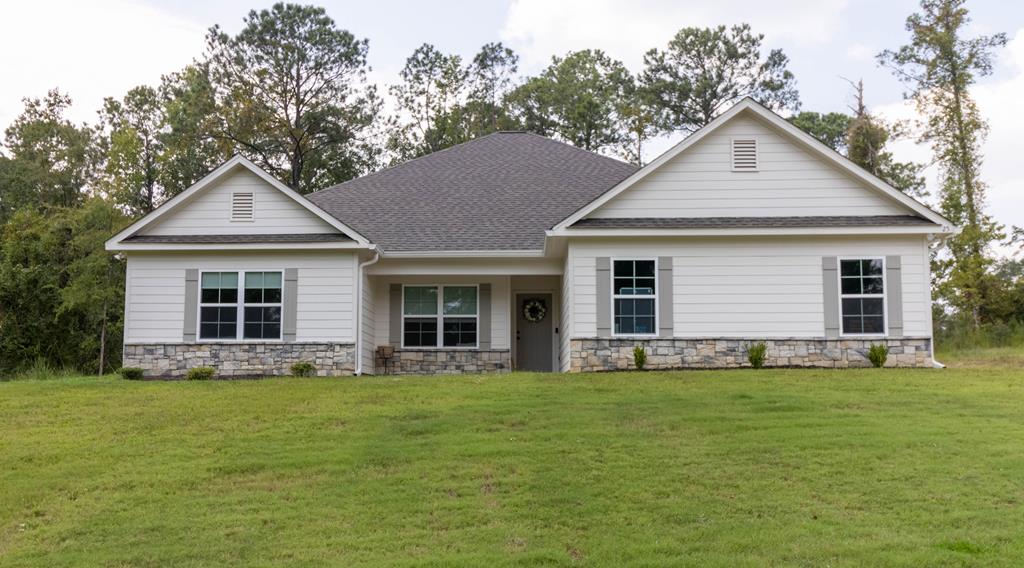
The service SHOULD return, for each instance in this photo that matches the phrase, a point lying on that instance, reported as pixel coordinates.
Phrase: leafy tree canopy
(703, 71)
(578, 99)
(291, 93)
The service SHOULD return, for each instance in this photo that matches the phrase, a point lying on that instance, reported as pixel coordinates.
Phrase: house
(514, 251)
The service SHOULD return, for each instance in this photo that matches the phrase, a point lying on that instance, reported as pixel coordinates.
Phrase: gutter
(359, 308)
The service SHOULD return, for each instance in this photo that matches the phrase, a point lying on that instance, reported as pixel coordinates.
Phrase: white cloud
(88, 49)
(625, 30)
(999, 101)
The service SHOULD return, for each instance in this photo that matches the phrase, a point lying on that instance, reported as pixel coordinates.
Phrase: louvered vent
(242, 207)
(744, 155)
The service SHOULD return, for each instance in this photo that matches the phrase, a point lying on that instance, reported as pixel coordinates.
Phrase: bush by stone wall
(617, 354)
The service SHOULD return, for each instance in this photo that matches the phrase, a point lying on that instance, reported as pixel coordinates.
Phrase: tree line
(290, 92)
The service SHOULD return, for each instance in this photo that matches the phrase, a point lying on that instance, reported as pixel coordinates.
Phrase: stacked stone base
(240, 359)
(446, 362)
(617, 354)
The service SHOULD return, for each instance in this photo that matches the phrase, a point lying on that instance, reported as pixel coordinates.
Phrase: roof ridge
(578, 149)
(409, 161)
(488, 135)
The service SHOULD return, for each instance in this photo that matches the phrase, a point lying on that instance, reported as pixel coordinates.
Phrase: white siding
(156, 283)
(745, 287)
(209, 212)
(369, 325)
(500, 324)
(700, 182)
(564, 352)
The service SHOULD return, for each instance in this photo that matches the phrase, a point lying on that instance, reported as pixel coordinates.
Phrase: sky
(99, 48)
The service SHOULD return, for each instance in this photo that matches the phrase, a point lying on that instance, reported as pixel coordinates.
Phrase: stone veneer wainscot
(617, 354)
(239, 359)
(446, 361)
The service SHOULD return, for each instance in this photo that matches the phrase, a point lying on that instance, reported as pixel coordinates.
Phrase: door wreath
(534, 311)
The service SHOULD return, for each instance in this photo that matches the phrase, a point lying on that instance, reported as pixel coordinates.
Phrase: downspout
(931, 343)
(359, 309)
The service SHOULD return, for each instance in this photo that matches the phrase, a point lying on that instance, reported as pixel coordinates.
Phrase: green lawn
(754, 468)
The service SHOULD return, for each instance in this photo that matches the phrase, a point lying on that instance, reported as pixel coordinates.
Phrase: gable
(210, 211)
(789, 181)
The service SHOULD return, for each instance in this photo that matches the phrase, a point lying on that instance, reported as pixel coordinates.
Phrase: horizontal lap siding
(156, 292)
(564, 356)
(790, 182)
(210, 212)
(369, 324)
(764, 287)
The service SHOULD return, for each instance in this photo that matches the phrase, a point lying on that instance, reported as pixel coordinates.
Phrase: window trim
(614, 296)
(884, 295)
(240, 309)
(440, 346)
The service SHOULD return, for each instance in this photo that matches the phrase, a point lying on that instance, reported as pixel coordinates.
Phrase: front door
(534, 329)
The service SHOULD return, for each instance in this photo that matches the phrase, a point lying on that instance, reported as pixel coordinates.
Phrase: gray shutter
(604, 297)
(665, 314)
(191, 304)
(484, 307)
(830, 282)
(395, 325)
(291, 303)
(894, 295)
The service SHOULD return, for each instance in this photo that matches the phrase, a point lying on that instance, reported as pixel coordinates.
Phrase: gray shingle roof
(750, 222)
(218, 239)
(498, 192)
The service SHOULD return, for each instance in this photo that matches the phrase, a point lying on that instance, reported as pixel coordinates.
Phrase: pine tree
(940, 65)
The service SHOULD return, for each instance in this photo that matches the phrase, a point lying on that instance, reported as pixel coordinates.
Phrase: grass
(728, 468)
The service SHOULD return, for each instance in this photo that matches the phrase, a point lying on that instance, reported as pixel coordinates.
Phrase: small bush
(639, 357)
(877, 354)
(756, 354)
(41, 370)
(303, 369)
(200, 373)
(130, 373)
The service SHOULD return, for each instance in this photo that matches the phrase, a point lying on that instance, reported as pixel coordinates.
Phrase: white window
(634, 297)
(862, 296)
(440, 316)
(240, 305)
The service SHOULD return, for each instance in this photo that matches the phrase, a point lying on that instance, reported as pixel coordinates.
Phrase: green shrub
(877, 354)
(954, 333)
(639, 357)
(303, 369)
(40, 370)
(200, 373)
(130, 373)
(756, 354)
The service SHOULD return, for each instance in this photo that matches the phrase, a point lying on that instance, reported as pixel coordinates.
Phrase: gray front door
(534, 334)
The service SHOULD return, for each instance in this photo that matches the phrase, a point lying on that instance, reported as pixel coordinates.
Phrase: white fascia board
(467, 254)
(121, 246)
(741, 232)
(213, 176)
(806, 140)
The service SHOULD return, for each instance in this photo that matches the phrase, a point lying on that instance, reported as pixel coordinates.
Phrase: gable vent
(242, 207)
(744, 155)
